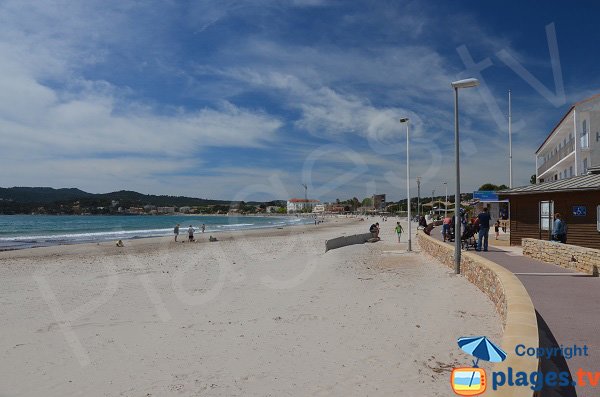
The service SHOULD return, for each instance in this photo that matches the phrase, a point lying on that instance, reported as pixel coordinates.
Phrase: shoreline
(200, 238)
(29, 242)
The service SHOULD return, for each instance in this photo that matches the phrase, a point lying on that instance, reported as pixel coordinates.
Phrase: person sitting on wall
(560, 232)
(374, 229)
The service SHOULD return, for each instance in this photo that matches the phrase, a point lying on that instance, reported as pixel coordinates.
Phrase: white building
(300, 205)
(318, 209)
(573, 146)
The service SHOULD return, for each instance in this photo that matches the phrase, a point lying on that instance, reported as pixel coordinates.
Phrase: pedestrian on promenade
(191, 233)
(399, 230)
(446, 227)
(560, 230)
(497, 228)
(484, 228)
(176, 231)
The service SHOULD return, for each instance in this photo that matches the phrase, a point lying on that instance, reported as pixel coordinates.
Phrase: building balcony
(556, 157)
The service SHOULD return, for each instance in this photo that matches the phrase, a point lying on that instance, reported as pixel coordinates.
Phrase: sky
(250, 99)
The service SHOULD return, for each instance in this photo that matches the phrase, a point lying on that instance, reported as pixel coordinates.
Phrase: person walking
(399, 230)
(497, 228)
(484, 228)
(203, 228)
(191, 233)
(176, 231)
(560, 231)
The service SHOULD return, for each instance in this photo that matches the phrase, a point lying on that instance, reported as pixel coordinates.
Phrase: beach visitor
(484, 228)
(203, 228)
(374, 229)
(191, 233)
(497, 228)
(560, 232)
(176, 231)
(399, 230)
(446, 227)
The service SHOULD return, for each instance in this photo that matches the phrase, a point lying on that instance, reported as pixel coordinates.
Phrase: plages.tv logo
(472, 381)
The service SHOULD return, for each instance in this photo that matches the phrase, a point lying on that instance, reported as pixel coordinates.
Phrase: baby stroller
(467, 240)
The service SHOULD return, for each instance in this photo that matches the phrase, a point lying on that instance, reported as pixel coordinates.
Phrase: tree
(533, 179)
(491, 186)
(367, 202)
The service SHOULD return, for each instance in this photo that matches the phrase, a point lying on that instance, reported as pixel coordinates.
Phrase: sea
(29, 231)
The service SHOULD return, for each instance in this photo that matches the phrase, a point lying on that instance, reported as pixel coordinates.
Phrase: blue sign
(485, 195)
(579, 210)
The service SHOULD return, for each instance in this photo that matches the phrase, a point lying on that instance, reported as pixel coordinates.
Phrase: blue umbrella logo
(483, 349)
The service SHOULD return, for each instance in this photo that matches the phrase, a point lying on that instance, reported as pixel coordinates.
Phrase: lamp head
(466, 83)
(404, 120)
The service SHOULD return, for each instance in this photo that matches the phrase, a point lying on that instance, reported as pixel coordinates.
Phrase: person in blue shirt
(560, 232)
(484, 228)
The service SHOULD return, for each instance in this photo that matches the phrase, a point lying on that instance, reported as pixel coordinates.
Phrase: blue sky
(249, 99)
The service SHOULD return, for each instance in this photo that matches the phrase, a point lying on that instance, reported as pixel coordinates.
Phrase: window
(560, 175)
(598, 218)
(584, 135)
(546, 211)
(570, 171)
(585, 166)
(597, 136)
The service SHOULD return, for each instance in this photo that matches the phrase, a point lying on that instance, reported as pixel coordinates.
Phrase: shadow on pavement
(554, 364)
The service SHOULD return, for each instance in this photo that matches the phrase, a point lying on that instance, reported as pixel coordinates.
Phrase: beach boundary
(343, 241)
(512, 302)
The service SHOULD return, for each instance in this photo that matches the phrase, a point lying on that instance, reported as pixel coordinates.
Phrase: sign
(485, 195)
(579, 210)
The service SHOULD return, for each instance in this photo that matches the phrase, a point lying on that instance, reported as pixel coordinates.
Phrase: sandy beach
(258, 313)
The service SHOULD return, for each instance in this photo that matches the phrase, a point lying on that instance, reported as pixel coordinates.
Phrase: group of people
(190, 231)
(479, 225)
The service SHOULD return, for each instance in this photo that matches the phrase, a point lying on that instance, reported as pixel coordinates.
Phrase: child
(497, 228)
(399, 230)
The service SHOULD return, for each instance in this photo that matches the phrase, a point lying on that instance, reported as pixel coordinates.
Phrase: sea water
(27, 231)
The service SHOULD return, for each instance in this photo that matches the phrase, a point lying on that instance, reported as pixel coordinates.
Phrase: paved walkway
(568, 308)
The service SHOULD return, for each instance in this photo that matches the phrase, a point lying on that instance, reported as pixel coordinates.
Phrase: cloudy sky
(249, 99)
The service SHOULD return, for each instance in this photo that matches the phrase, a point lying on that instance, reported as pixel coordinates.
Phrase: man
(484, 219)
(176, 231)
(191, 233)
(560, 233)
(399, 230)
(446, 227)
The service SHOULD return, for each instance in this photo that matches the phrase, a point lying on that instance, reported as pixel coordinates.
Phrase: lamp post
(419, 195)
(446, 202)
(405, 120)
(510, 173)
(466, 83)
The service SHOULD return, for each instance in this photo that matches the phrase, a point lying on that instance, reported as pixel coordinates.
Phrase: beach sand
(260, 313)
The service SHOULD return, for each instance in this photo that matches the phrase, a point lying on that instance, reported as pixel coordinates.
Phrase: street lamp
(419, 196)
(446, 202)
(405, 120)
(466, 83)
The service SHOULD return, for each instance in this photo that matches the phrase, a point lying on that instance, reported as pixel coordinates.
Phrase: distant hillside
(28, 199)
(41, 194)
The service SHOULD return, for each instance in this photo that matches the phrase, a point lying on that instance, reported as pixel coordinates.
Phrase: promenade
(567, 305)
